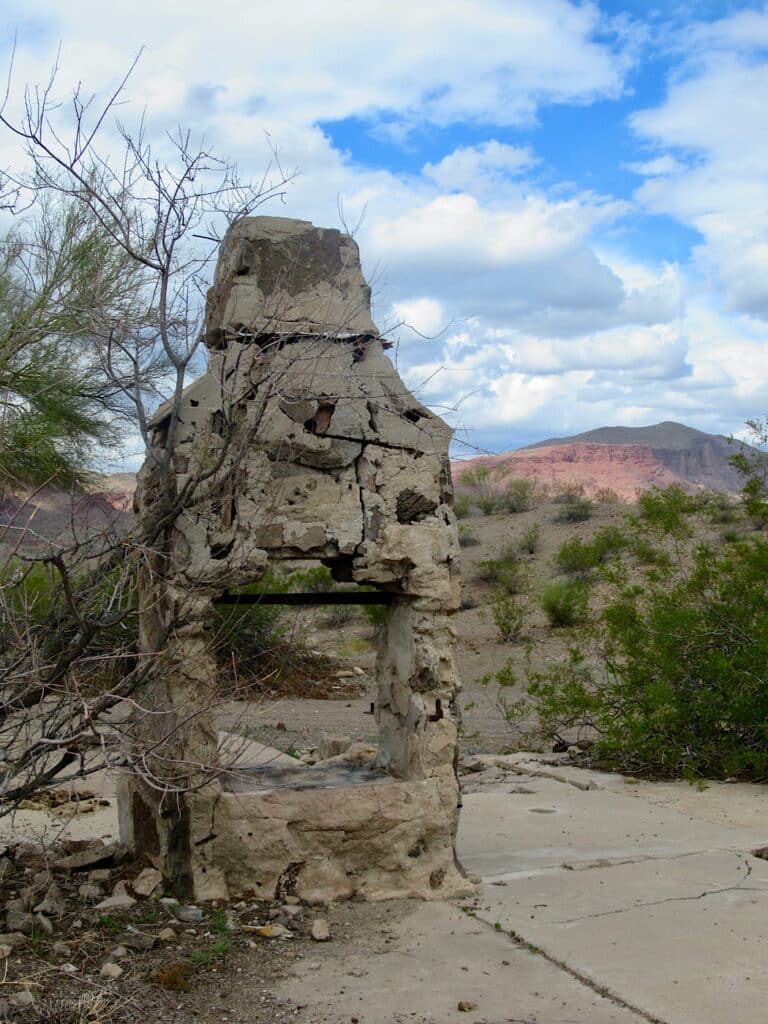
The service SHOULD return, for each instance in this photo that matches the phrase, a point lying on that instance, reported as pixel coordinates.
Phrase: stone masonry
(299, 442)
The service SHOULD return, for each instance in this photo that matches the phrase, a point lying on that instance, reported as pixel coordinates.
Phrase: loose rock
(140, 940)
(189, 915)
(147, 882)
(110, 970)
(320, 931)
(466, 1005)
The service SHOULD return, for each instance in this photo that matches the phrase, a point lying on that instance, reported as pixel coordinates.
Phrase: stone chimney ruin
(300, 442)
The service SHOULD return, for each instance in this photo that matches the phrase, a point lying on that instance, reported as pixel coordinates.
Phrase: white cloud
(712, 170)
(480, 168)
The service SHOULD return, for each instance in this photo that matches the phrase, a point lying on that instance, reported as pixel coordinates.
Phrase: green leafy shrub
(504, 572)
(752, 462)
(530, 539)
(467, 536)
(677, 681)
(576, 557)
(607, 496)
(666, 509)
(481, 482)
(462, 505)
(508, 615)
(565, 601)
(519, 495)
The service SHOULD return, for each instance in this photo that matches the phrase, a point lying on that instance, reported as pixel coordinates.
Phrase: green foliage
(462, 505)
(480, 481)
(676, 682)
(530, 538)
(504, 572)
(577, 511)
(576, 557)
(508, 615)
(752, 463)
(467, 536)
(316, 580)
(666, 510)
(219, 923)
(607, 496)
(64, 285)
(565, 601)
(519, 495)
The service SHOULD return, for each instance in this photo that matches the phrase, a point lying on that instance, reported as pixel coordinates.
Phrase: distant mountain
(668, 436)
(625, 459)
(38, 515)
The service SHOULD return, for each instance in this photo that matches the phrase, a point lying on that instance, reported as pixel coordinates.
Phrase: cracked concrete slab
(435, 958)
(504, 833)
(664, 909)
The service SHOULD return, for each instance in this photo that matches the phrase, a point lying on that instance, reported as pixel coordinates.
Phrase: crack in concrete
(601, 990)
(671, 899)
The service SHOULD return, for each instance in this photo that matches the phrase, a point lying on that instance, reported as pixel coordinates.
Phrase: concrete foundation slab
(436, 958)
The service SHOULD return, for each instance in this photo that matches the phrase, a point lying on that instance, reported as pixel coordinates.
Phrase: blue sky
(568, 199)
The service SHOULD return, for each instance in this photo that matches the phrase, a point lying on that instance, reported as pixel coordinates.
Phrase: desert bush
(607, 496)
(666, 509)
(565, 601)
(609, 541)
(508, 615)
(480, 481)
(718, 508)
(519, 495)
(316, 580)
(677, 683)
(467, 536)
(462, 505)
(530, 539)
(504, 572)
(576, 558)
(752, 463)
(577, 510)
(567, 493)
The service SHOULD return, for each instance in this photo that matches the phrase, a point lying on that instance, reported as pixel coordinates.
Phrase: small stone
(116, 903)
(121, 888)
(68, 969)
(268, 931)
(12, 939)
(87, 858)
(60, 949)
(292, 901)
(358, 671)
(466, 1006)
(147, 882)
(5, 951)
(100, 875)
(23, 998)
(139, 940)
(53, 902)
(118, 953)
(189, 915)
(169, 901)
(166, 935)
(90, 891)
(110, 970)
(18, 919)
(43, 923)
(290, 911)
(320, 931)
(77, 924)
(345, 673)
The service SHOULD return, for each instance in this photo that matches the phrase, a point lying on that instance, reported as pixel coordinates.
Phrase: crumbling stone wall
(301, 441)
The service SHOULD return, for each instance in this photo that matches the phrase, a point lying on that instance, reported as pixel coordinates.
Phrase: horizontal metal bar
(381, 597)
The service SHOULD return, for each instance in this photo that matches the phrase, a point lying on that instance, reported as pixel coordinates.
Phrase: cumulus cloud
(480, 168)
(712, 169)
